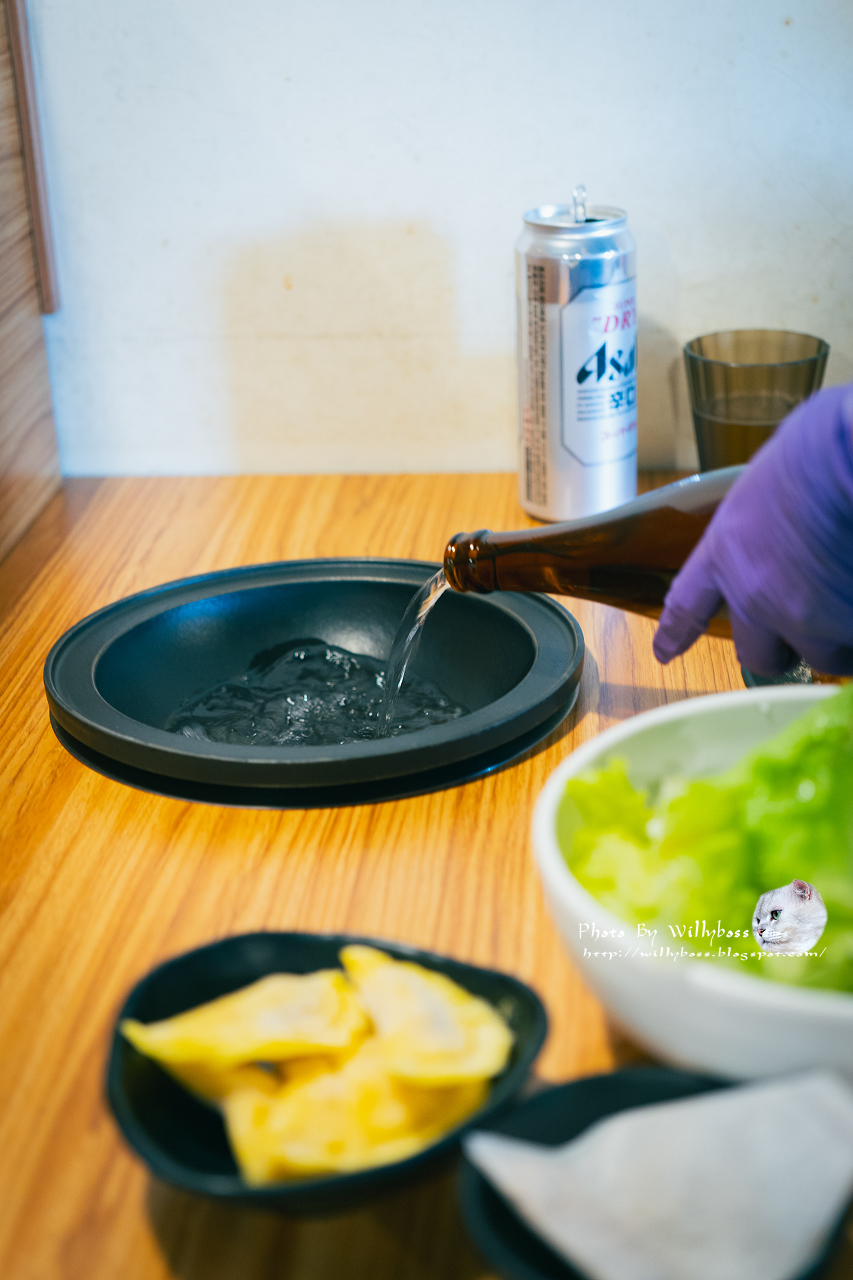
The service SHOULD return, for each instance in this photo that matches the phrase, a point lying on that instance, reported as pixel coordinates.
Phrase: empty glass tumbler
(743, 383)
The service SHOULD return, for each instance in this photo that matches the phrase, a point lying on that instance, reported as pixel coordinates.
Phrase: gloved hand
(779, 550)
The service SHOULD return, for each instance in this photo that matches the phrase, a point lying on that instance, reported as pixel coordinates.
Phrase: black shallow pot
(113, 680)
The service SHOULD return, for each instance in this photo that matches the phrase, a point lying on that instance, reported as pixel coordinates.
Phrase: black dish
(551, 1118)
(113, 679)
(183, 1141)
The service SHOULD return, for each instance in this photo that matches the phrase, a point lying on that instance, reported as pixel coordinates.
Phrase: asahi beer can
(577, 360)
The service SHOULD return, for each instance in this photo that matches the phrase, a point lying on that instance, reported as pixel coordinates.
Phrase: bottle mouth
(469, 563)
(561, 218)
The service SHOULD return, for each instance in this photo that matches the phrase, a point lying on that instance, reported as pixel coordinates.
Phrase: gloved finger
(690, 604)
(759, 649)
(835, 660)
(677, 630)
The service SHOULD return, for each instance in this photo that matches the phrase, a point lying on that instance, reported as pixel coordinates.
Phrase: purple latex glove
(779, 550)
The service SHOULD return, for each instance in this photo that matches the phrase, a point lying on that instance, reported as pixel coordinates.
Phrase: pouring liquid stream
(307, 692)
(405, 646)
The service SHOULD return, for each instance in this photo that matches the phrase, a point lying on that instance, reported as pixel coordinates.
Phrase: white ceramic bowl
(691, 1012)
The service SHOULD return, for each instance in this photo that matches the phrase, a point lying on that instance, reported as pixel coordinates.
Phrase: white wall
(284, 230)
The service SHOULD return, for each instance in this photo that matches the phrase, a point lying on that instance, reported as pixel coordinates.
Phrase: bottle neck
(626, 557)
(469, 561)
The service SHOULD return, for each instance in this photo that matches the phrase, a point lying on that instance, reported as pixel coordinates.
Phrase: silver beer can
(577, 360)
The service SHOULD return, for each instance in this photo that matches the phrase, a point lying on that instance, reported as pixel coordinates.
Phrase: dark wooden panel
(29, 466)
(19, 42)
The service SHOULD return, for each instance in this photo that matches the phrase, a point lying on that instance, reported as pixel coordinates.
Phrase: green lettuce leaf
(707, 849)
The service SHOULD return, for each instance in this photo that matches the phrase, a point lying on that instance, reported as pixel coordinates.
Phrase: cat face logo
(789, 920)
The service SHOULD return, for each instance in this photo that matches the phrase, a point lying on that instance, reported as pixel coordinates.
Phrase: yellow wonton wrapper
(213, 1084)
(429, 1029)
(337, 1121)
(282, 1016)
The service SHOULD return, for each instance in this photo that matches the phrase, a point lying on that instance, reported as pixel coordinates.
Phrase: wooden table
(99, 882)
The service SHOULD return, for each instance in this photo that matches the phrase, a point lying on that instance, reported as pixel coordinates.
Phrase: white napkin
(737, 1184)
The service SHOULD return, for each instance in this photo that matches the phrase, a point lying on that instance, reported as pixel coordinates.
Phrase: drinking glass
(743, 383)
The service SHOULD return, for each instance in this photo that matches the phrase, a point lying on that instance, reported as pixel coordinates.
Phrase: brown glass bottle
(626, 557)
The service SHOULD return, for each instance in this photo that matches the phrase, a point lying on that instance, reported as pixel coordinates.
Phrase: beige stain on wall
(664, 423)
(345, 356)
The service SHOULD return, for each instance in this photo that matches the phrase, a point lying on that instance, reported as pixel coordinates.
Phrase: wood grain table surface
(98, 882)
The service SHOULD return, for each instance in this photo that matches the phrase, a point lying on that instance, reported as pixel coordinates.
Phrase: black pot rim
(347, 794)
